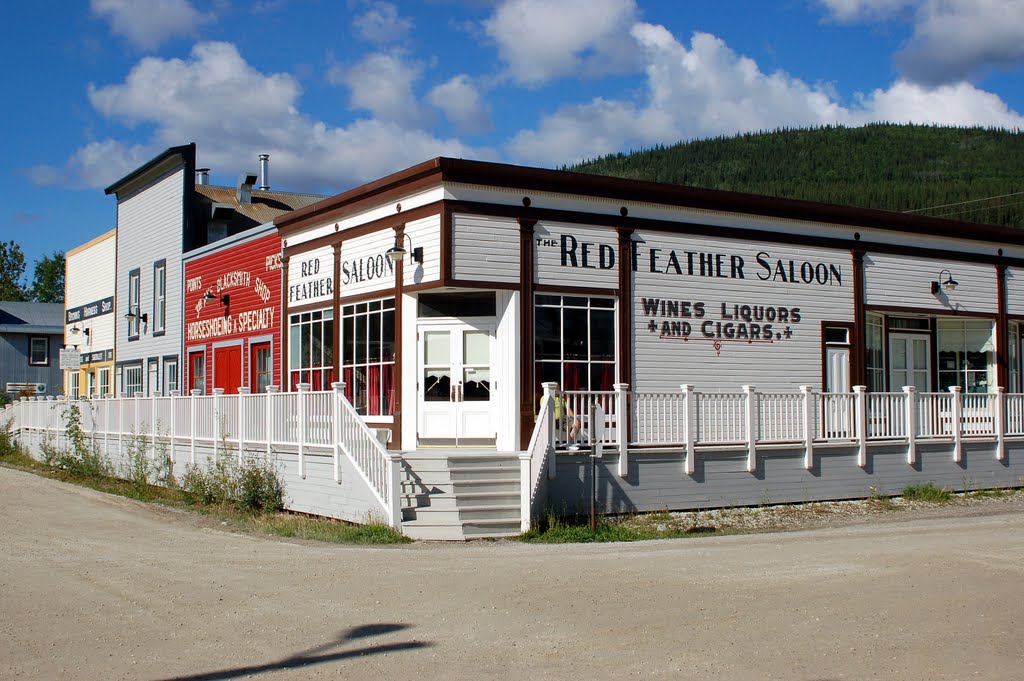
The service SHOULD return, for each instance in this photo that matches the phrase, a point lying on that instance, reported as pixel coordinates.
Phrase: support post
(243, 394)
(525, 492)
(192, 426)
(550, 393)
(394, 490)
(958, 423)
(1000, 422)
(911, 405)
(217, 392)
(300, 428)
(748, 390)
(272, 390)
(688, 428)
(622, 417)
(339, 394)
(808, 396)
(860, 410)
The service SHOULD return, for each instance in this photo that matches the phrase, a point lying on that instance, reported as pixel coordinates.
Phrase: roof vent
(264, 178)
(202, 176)
(244, 192)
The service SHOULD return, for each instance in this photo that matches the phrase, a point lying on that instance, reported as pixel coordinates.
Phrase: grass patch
(253, 486)
(641, 527)
(928, 492)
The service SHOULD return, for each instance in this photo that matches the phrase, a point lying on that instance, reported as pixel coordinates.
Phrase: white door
(909, 361)
(837, 369)
(455, 390)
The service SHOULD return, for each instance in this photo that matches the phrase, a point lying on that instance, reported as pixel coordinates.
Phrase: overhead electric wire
(975, 210)
(960, 203)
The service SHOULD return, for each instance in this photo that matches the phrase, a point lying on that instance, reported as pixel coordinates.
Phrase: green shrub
(927, 491)
(251, 486)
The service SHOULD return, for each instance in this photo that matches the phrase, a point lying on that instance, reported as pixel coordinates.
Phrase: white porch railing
(691, 419)
(222, 423)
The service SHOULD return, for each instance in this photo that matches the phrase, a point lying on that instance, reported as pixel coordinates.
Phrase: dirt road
(99, 587)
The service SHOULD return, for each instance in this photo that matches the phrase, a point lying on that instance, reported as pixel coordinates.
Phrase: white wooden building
(89, 319)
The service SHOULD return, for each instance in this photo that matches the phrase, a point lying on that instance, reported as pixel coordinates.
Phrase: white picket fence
(690, 419)
(300, 421)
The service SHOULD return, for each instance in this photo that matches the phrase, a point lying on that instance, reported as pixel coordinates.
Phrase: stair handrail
(379, 468)
(538, 458)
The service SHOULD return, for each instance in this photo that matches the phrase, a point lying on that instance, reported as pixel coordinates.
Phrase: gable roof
(39, 318)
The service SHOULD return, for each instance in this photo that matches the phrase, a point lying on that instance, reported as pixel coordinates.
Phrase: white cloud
(233, 113)
(541, 40)
(708, 89)
(952, 40)
(383, 84)
(958, 39)
(147, 24)
(462, 104)
(381, 23)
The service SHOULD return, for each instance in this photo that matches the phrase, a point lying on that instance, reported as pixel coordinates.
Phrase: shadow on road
(319, 654)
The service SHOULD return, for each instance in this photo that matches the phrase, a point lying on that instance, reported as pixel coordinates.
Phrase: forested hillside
(893, 167)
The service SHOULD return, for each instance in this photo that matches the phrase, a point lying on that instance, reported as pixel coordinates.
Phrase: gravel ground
(100, 587)
(789, 517)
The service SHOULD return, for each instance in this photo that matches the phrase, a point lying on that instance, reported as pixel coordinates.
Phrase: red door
(227, 368)
(261, 367)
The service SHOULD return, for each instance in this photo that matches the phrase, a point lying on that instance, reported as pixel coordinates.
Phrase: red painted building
(232, 328)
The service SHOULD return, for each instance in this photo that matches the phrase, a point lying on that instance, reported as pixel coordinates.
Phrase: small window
(837, 335)
(159, 296)
(104, 382)
(170, 375)
(132, 380)
(457, 305)
(134, 313)
(910, 323)
(39, 351)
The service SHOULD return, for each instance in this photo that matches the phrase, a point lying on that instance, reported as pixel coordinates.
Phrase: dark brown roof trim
(485, 173)
(187, 152)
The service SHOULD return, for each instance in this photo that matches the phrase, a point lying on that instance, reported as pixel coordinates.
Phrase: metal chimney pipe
(202, 176)
(264, 179)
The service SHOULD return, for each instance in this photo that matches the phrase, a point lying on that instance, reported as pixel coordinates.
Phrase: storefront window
(368, 356)
(966, 355)
(875, 353)
(104, 382)
(311, 349)
(574, 342)
(133, 380)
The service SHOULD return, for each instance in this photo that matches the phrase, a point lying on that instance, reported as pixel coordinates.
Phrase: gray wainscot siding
(656, 481)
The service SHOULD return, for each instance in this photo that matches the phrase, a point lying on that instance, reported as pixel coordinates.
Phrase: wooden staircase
(456, 495)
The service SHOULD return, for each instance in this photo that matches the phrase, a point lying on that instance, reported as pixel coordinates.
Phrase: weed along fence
(330, 462)
(667, 450)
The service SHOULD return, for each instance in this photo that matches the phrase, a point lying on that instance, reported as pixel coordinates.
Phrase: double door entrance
(455, 386)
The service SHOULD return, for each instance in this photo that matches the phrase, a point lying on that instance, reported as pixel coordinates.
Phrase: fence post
(688, 430)
(525, 492)
(911, 404)
(300, 428)
(175, 394)
(958, 418)
(243, 392)
(152, 425)
(272, 390)
(192, 425)
(106, 425)
(623, 419)
(751, 428)
(860, 410)
(217, 392)
(339, 394)
(1000, 422)
(120, 426)
(550, 394)
(137, 422)
(394, 490)
(808, 396)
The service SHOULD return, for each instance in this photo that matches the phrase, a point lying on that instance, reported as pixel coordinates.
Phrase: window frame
(608, 304)
(160, 297)
(128, 370)
(368, 319)
(317, 324)
(134, 302)
(45, 362)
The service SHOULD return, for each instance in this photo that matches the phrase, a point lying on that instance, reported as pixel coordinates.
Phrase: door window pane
(476, 348)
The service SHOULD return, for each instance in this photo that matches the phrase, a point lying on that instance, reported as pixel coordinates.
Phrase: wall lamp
(76, 332)
(949, 284)
(133, 314)
(212, 297)
(396, 252)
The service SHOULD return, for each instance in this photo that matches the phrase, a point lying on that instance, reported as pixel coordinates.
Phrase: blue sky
(341, 92)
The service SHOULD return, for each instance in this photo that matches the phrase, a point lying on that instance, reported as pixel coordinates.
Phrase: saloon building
(445, 294)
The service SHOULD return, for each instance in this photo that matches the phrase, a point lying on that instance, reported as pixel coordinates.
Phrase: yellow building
(89, 287)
